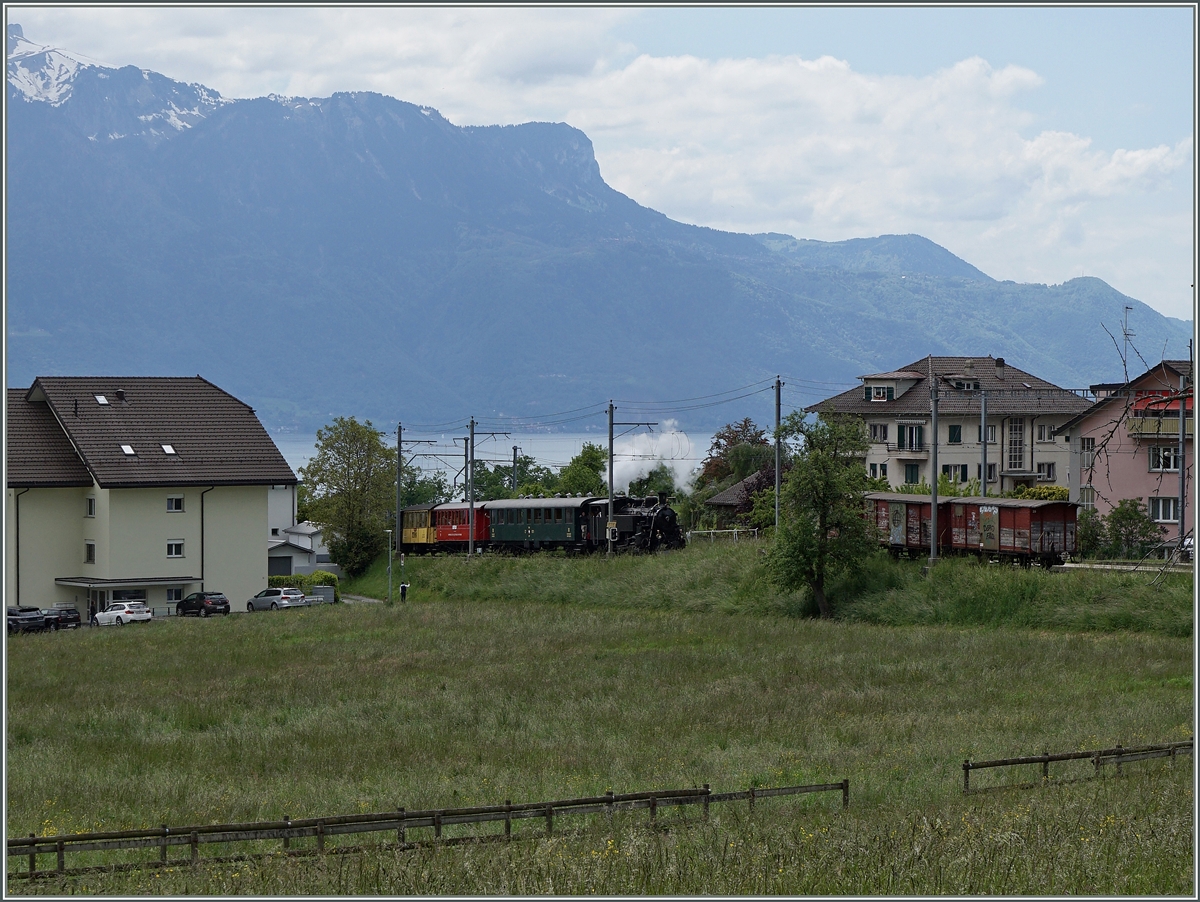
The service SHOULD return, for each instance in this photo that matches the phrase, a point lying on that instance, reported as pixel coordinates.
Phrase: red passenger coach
(451, 525)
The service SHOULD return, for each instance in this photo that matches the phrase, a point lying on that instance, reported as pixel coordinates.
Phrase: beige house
(1023, 419)
(135, 488)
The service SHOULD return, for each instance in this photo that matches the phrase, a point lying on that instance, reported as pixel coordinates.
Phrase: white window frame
(1087, 452)
(991, 433)
(1164, 509)
(175, 510)
(89, 552)
(174, 548)
(1087, 497)
(1046, 471)
(1163, 458)
(878, 392)
(90, 506)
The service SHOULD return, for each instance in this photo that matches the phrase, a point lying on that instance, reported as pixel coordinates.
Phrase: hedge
(305, 582)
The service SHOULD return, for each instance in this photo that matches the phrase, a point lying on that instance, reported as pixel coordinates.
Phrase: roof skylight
(101, 400)
(128, 449)
(168, 449)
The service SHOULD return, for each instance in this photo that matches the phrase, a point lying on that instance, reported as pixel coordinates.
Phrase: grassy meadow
(538, 678)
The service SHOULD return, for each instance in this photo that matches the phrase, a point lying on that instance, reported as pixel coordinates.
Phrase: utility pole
(1183, 448)
(611, 526)
(470, 480)
(983, 444)
(514, 476)
(389, 534)
(778, 454)
(399, 483)
(933, 476)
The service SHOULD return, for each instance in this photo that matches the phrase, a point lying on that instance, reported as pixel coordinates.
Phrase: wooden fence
(399, 821)
(1099, 757)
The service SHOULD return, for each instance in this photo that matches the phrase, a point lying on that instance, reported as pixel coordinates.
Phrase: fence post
(549, 819)
(751, 798)
(437, 825)
(62, 864)
(966, 776)
(608, 806)
(1096, 762)
(508, 819)
(287, 826)
(195, 838)
(1118, 759)
(321, 837)
(162, 851)
(1046, 766)
(846, 792)
(400, 829)
(653, 810)
(32, 856)
(706, 791)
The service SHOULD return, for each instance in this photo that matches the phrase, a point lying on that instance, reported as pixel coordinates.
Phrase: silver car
(274, 599)
(121, 612)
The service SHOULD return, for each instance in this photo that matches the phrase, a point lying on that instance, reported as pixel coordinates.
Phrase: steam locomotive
(573, 523)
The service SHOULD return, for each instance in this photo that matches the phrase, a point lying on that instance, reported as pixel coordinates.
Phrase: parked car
(121, 612)
(273, 599)
(25, 620)
(202, 604)
(62, 618)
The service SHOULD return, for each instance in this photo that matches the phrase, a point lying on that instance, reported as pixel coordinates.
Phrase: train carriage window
(558, 515)
(549, 517)
(529, 515)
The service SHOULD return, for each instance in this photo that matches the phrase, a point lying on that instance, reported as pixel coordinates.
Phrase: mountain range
(359, 254)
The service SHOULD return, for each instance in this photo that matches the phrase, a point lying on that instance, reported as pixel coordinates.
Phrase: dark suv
(25, 620)
(202, 604)
(64, 618)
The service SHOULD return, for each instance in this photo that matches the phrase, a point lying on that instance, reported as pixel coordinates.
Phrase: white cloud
(778, 143)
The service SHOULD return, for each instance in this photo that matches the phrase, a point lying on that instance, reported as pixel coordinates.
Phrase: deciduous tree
(351, 490)
(822, 530)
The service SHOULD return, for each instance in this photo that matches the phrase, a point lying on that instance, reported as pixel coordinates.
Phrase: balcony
(1159, 426)
(916, 452)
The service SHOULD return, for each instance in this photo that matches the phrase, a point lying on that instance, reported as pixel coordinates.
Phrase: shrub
(306, 581)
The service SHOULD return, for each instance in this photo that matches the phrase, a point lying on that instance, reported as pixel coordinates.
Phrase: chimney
(76, 407)
(999, 367)
(121, 391)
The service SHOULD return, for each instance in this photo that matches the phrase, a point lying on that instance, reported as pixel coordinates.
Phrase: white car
(274, 599)
(122, 612)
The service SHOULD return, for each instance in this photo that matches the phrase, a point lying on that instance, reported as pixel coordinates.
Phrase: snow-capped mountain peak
(38, 71)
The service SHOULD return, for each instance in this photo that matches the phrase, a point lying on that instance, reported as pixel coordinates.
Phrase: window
(170, 449)
(1016, 445)
(883, 471)
(128, 450)
(1164, 458)
(878, 392)
(89, 552)
(174, 594)
(955, 472)
(912, 474)
(879, 432)
(175, 548)
(1045, 433)
(991, 434)
(1087, 497)
(101, 400)
(91, 507)
(1045, 472)
(955, 435)
(1164, 510)
(991, 477)
(274, 529)
(911, 437)
(1087, 453)
(175, 503)
(874, 471)
(968, 385)
(558, 515)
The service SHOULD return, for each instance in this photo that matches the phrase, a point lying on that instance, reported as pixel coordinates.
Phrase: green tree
(418, 488)
(582, 475)
(721, 459)
(659, 481)
(1131, 533)
(1090, 535)
(822, 530)
(351, 487)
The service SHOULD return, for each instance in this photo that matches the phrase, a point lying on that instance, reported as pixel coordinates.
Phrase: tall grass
(732, 578)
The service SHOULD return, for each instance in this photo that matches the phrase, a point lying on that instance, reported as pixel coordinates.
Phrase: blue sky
(1039, 144)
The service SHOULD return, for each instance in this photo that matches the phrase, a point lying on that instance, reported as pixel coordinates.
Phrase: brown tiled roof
(217, 438)
(1010, 391)
(39, 454)
(1162, 376)
(740, 493)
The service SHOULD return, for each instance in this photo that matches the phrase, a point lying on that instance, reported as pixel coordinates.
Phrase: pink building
(1127, 445)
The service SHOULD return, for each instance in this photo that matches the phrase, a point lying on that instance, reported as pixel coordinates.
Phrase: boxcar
(527, 524)
(1020, 529)
(905, 521)
(452, 527)
(416, 529)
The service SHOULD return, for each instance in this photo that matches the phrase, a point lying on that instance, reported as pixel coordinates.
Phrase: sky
(1037, 143)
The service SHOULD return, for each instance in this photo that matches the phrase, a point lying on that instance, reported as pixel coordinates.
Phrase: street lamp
(389, 532)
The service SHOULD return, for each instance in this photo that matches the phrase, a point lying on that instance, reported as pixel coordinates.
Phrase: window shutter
(920, 437)
(866, 393)
(891, 393)
(899, 437)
